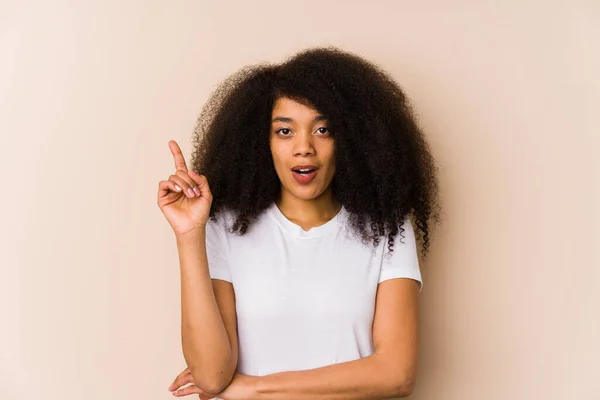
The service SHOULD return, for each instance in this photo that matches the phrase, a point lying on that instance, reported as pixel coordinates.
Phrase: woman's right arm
(208, 320)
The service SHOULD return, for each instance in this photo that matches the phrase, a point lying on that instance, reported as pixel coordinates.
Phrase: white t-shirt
(304, 299)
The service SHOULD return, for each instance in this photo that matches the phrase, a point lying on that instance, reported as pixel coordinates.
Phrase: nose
(303, 145)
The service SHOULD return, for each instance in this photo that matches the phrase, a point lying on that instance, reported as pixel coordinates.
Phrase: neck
(312, 212)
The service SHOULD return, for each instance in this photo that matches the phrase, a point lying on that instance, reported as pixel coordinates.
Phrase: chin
(306, 197)
(306, 193)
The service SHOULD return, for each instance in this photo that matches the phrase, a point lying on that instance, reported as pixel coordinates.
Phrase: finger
(202, 183)
(183, 378)
(197, 178)
(186, 177)
(191, 389)
(167, 187)
(177, 156)
(189, 192)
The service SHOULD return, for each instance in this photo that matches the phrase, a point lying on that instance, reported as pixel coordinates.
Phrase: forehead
(286, 107)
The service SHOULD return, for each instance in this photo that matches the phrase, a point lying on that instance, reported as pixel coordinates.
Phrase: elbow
(402, 380)
(403, 386)
(212, 385)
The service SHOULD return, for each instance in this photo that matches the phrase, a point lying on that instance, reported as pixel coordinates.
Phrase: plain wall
(91, 92)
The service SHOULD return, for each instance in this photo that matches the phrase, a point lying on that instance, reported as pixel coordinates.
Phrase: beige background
(91, 91)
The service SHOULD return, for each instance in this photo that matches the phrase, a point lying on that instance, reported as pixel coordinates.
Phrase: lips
(304, 178)
(309, 167)
(304, 173)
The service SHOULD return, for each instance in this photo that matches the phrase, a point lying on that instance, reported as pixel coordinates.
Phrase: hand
(185, 198)
(184, 378)
(242, 387)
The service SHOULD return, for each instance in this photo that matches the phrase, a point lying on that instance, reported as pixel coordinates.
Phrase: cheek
(275, 155)
(279, 163)
(331, 159)
(331, 171)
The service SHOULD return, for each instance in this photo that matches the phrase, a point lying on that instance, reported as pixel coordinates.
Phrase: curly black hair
(384, 168)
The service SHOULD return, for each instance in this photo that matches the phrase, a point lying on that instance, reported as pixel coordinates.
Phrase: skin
(299, 135)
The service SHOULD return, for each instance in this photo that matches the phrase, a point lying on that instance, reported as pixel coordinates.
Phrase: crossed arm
(389, 372)
(370, 377)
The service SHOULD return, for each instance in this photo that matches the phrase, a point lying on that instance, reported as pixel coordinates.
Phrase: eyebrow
(287, 119)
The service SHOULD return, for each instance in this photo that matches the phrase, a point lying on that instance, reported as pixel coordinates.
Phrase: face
(302, 148)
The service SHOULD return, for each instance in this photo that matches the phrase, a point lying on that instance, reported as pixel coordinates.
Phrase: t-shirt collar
(297, 231)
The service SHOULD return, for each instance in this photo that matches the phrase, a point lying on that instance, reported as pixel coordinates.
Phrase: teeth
(305, 170)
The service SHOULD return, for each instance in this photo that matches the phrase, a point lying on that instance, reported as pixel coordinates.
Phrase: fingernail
(197, 191)
(178, 188)
(191, 192)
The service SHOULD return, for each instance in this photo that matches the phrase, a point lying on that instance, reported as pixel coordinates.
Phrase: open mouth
(304, 175)
(304, 171)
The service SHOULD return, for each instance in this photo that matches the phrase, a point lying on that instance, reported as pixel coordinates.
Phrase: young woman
(299, 267)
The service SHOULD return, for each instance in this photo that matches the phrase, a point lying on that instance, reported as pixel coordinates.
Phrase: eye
(283, 131)
(323, 128)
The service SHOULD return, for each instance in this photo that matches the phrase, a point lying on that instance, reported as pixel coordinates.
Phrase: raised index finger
(178, 156)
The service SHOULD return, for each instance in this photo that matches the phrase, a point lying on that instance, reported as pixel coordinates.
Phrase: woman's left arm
(389, 372)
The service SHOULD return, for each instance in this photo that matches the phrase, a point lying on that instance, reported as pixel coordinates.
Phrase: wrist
(256, 388)
(193, 235)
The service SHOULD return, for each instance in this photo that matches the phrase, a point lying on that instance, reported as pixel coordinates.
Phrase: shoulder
(224, 219)
(221, 219)
(217, 226)
(405, 236)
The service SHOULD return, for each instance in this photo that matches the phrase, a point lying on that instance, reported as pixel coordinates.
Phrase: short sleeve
(403, 262)
(216, 251)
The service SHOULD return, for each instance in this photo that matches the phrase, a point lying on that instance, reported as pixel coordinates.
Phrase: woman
(298, 262)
